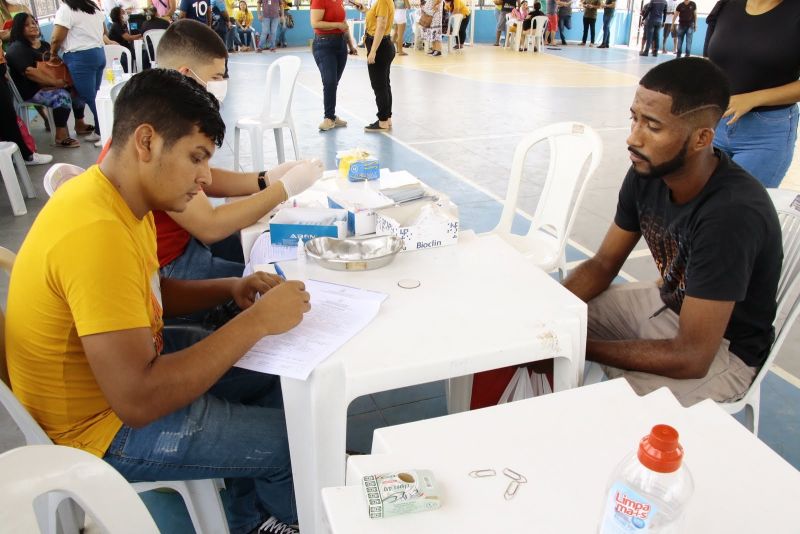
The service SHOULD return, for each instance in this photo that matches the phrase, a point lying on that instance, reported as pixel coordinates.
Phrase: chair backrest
(789, 282)
(32, 471)
(58, 174)
(541, 25)
(454, 24)
(151, 40)
(281, 81)
(115, 89)
(116, 51)
(575, 153)
(18, 101)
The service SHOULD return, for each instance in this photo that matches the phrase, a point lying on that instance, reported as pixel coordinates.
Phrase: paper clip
(513, 475)
(483, 473)
(511, 490)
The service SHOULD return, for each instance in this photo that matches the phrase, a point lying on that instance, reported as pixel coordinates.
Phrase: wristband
(262, 182)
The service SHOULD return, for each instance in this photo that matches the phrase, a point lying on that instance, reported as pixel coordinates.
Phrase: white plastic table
(480, 305)
(567, 445)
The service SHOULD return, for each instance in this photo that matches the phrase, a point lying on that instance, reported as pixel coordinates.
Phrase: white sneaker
(92, 137)
(99, 144)
(39, 159)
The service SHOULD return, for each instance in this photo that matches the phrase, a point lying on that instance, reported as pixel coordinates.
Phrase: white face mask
(218, 88)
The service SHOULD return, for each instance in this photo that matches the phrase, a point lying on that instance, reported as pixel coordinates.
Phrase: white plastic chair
(117, 52)
(35, 470)
(536, 37)
(575, 153)
(151, 39)
(788, 303)
(14, 171)
(115, 89)
(276, 114)
(201, 497)
(453, 27)
(58, 174)
(22, 107)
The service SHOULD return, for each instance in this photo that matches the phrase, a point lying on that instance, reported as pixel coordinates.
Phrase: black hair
(171, 103)
(693, 83)
(192, 40)
(87, 6)
(116, 14)
(537, 6)
(18, 28)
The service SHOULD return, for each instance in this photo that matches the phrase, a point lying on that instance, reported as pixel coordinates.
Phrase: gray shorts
(624, 311)
(501, 20)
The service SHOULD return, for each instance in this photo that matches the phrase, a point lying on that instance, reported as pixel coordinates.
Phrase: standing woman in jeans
(757, 44)
(332, 41)
(79, 29)
(271, 14)
(380, 54)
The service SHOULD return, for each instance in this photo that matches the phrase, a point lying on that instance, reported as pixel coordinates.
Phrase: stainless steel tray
(354, 254)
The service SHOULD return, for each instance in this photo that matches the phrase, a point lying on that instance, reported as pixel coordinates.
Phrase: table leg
(316, 421)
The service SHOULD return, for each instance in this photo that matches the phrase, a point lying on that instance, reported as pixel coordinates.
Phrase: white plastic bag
(525, 386)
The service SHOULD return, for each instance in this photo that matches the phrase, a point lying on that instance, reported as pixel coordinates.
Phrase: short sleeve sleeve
(107, 289)
(20, 58)
(724, 249)
(382, 9)
(627, 216)
(63, 16)
(185, 5)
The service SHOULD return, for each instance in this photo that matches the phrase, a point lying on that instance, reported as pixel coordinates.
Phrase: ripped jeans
(235, 431)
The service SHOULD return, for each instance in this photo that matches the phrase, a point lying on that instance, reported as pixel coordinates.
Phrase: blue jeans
(197, 263)
(762, 142)
(652, 31)
(86, 68)
(564, 21)
(330, 54)
(685, 31)
(607, 18)
(232, 39)
(235, 431)
(269, 27)
(282, 35)
(247, 37)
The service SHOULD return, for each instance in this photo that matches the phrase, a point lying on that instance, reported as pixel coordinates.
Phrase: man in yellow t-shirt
(85, 305)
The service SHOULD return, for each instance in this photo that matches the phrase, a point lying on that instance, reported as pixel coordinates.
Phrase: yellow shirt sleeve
(105, 254)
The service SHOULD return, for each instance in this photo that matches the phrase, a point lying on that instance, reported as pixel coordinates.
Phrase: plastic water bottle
(650, 488)
(116, 67)
(302, 260)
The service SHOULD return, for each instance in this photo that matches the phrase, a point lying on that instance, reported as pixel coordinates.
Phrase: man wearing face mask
(705, 327)
(200, 242)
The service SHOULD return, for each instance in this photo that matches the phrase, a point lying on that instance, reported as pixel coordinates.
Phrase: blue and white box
(420, 224)
(291, 224)
(360, 204)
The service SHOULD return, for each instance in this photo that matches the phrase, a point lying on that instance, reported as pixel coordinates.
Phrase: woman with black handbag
(26, 52)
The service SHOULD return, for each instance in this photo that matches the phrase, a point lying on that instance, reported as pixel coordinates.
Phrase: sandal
(68, 142)
(89, 129)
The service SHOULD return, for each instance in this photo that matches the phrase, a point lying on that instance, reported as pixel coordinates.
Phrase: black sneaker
(375, 127)
(273, 526)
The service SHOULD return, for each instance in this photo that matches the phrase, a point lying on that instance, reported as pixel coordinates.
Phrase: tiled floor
(457, 121)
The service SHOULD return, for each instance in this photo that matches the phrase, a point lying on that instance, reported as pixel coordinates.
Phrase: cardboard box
(360, 204)
(439, 228)
(291, 224)
(358, 165)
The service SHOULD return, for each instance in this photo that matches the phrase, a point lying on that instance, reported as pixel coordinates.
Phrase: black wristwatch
(262, 181)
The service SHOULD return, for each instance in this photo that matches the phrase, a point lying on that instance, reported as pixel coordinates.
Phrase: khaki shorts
(624, 311)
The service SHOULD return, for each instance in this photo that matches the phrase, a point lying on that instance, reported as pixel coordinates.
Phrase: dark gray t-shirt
(724, 244)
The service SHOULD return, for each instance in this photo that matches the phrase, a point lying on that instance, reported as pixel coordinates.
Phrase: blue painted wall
(484, 30)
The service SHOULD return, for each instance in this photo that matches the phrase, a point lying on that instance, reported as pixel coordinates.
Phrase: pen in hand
(279, 271)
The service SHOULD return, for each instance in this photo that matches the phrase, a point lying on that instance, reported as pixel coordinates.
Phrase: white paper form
(337, 314)
(264, 251)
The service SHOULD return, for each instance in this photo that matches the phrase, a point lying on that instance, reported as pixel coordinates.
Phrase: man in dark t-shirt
(705, 327)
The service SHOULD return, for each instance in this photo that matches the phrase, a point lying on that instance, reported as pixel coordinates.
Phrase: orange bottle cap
(660, 451)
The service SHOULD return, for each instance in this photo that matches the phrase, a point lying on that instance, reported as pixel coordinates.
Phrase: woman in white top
(79, 32)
